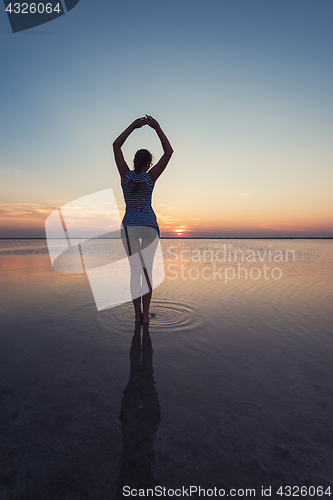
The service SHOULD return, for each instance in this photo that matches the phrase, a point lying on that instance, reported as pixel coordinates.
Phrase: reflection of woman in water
(139, 222)
(140, 415)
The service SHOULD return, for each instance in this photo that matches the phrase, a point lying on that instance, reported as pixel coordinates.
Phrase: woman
(139, 222)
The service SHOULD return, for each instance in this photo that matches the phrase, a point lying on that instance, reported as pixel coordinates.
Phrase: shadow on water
(140, 415)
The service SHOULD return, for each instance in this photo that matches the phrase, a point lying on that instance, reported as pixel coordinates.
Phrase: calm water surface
(238, 380)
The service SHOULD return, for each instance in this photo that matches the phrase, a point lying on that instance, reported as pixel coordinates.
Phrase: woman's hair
(141, 158)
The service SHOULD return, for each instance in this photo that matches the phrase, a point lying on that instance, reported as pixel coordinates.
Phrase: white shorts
(139, 232)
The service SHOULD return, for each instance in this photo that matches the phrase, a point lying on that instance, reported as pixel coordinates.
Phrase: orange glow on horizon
(29, 218)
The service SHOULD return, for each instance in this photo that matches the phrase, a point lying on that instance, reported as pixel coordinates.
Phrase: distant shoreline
(211, 238)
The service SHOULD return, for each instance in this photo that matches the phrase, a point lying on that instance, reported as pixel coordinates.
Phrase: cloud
(166, 220)
(25, 211)
(58, 202)
(245, 196)
(230, 194)
(291, 226)
(9, 169)
(167, 207)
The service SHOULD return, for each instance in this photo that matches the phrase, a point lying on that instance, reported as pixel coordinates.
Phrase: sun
(180, 230)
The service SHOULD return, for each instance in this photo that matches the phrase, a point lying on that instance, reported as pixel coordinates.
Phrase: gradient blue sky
(242, 88)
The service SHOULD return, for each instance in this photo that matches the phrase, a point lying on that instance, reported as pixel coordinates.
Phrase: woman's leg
(148, 249)
(132, 247)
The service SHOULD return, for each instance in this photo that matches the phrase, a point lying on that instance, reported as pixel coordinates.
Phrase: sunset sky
(242, 88)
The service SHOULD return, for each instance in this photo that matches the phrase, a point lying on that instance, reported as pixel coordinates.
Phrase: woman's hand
(157, 169)
(152, 122)
(140, 122)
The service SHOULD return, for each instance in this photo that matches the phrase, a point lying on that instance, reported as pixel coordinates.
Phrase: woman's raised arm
(157, 169)
(118, 154)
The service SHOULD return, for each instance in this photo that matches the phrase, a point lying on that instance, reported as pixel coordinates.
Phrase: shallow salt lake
(230, 388)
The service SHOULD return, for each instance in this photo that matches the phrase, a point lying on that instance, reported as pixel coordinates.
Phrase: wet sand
(231, 386)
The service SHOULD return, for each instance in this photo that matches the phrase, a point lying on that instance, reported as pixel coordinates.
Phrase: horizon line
(202, 238)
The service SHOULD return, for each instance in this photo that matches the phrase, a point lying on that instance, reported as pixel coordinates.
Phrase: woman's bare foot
(150, 316)
(145, 319)
(138, 318)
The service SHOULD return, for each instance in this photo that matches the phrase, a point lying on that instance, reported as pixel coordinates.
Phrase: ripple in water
(171, 314)
(165, 314)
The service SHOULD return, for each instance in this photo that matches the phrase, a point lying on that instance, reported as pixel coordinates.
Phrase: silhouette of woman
(140, 231)
(140, 416)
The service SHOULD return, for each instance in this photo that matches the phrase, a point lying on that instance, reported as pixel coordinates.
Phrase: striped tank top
(139, 211)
